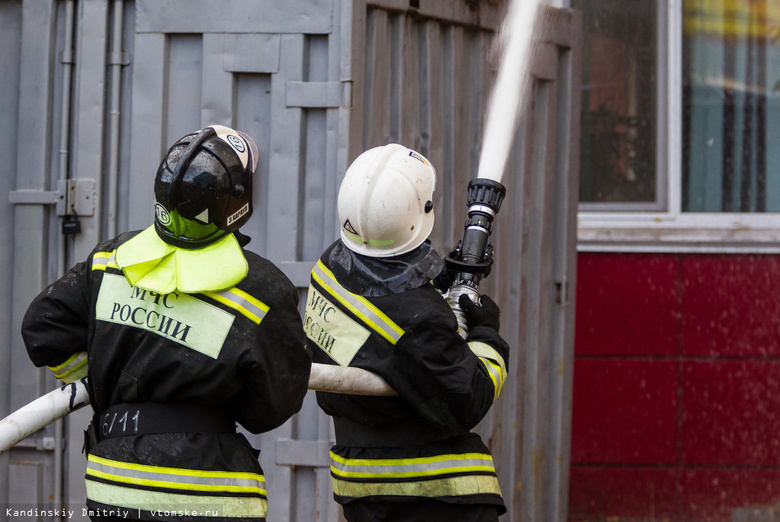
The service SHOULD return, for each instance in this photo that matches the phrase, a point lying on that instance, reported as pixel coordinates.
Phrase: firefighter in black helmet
(371, 305)
(182, 334)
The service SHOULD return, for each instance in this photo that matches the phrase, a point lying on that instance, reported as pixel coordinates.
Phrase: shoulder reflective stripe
(175, 478)
(241, 302)
(358, 305)
(407, 468)
(102, 260)
(493, 362)
(443, 487)
(252, 508)
(73, 369)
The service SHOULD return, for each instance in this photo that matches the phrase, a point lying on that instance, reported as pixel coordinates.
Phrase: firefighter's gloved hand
(486, 314)
(444, 280)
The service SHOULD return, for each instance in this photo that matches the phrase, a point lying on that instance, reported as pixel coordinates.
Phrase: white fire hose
(64, 400)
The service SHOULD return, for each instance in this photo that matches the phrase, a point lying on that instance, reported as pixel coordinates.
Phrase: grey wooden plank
(450, 212)
(475, 100)
(88, 162)
(90, 103)
(567, 196)
(318, 95)
(485, 15)
(147, 137)
(354, 69)
(284, 162)
(376, 117)
(253, 115)
(408, 72)
(544, 61)
(11, 15)
(124, 210)
(433, 129)
(256, 53)
(10, 62)
(234, 16)
(335, 168)
(283, 229)
(183, 94)
(29, 247)
(459, 132)
(35, 76)
(26, 479)
(217, 83)
(318, 192)
(337, 136)
(313, 185)
(309, 453)
(541, 295)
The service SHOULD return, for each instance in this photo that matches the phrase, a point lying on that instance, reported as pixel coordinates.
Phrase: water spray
(472, 258)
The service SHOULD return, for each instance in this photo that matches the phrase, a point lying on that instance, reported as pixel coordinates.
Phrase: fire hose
(71, 397)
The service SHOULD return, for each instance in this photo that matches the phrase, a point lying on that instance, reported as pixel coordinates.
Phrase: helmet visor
(184, 232)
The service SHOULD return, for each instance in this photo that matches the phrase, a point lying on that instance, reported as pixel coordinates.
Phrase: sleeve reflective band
(103, 260)
(357, 304)
(73, 369)
(494, 364)
(241, 302)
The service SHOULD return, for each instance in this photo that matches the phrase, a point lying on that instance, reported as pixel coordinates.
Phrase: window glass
(619, 109)
(731, 106)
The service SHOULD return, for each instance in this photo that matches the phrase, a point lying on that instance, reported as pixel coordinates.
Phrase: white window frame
(668, 229)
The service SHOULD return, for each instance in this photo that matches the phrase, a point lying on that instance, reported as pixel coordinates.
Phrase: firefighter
(181, 334)
(372, 305)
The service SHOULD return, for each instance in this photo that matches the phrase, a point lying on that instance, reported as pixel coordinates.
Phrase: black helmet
(203, 188)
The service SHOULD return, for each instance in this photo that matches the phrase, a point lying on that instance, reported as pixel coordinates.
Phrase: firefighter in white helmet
(372, 305)
(182, 334)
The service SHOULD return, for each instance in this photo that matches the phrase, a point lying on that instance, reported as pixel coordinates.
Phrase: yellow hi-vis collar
(152, 264)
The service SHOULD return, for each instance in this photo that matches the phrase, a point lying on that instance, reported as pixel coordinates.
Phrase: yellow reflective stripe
(357, 304)
(410, 468)
(372, 242)
(477, 475)
(202, 505)
(242, 302)
(175, 478)
(73, 369)
(494, 371)
(493, 362)
(103, 260)
(443, 487)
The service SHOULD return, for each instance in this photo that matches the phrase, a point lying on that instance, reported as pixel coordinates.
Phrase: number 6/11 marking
(109, 421)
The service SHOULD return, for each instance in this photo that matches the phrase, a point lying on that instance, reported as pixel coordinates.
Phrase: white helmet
(386, 201)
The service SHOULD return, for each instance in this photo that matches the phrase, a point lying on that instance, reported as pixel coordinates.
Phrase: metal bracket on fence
(73, 197)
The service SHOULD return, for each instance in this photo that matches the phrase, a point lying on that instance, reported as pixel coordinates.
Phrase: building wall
(676, 386)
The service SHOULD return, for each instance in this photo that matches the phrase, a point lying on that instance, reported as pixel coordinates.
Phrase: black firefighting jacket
(385, 316)
(168, 377)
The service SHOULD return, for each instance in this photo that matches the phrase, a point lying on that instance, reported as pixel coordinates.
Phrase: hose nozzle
(473, 256)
